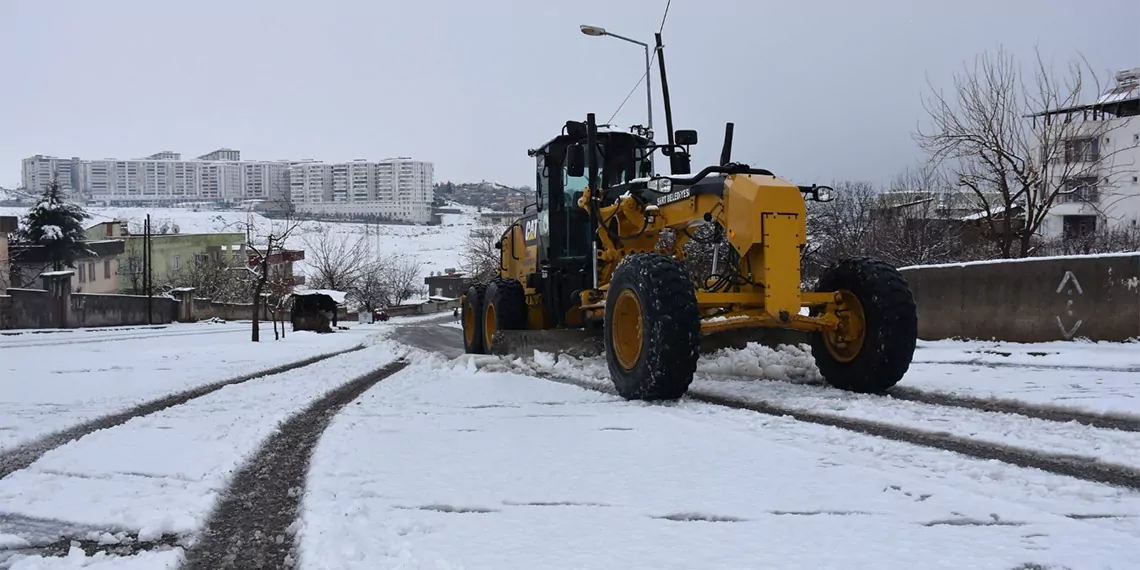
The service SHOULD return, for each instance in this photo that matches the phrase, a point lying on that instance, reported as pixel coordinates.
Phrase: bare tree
(984, 135)
(401, 279)
(279, 300)
(131, 267)
(840, 228)
(337, 260)
(260, 257)
(371, 291)
(921, 219)
(215, 277)
(480, 256)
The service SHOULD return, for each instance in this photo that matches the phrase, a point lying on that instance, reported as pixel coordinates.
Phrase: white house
(1106, 179)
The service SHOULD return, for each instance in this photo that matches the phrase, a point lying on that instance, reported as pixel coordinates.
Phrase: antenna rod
(726, 150)
(665, 94)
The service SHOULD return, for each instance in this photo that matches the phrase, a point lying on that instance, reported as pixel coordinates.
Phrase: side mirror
(819, 193)
(686, 138)
(499, 244)
(576, 161)
(576, 128)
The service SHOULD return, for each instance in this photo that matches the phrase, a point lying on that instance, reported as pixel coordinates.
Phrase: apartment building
(397, 189)
(38, 171)
(1101, 163)
(164, 178)
(310, 182)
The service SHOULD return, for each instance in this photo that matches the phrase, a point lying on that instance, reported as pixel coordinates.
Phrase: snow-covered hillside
(436, 247)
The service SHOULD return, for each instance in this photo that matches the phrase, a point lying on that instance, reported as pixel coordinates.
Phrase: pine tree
(57, 225)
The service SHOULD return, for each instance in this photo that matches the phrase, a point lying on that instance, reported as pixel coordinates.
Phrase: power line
(634, 90)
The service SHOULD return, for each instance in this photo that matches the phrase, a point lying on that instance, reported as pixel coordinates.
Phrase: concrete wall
(29, 309)
(1032, 300)
(421, 309)
(207, 309)
(95, 310)
(57, 307)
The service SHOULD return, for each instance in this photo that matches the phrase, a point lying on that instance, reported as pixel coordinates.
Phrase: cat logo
(530, 231)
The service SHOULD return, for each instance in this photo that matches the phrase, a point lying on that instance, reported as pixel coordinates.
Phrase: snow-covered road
(474, 462)
(444, 466)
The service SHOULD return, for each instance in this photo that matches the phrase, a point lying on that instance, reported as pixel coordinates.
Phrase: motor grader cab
(643, 266)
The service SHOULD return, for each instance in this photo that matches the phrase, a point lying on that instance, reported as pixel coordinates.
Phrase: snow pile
(788, 363)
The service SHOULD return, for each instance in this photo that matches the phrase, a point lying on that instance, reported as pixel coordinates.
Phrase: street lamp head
(593, 30)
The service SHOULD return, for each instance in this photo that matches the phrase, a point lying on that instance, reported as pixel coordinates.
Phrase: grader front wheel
(871, 349)
(652, 328)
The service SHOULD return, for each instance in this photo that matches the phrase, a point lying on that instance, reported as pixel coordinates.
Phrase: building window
(176, 263)
(106, 269)
(91, 272)
(82, 273)
(1082, 150)
(1081, 189)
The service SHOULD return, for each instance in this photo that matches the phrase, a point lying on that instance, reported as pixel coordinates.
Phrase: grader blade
(573, 342)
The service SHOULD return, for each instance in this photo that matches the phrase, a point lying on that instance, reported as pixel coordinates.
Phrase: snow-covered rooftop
(336, 296)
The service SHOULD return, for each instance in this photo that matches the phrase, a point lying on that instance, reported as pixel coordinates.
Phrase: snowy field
(436, 247)
(475, 462)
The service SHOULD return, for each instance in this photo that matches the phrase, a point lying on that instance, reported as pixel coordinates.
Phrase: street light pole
(597, 32)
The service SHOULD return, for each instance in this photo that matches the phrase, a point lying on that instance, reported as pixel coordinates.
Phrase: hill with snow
(437, 248)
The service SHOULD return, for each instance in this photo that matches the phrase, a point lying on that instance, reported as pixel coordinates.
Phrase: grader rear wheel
(472, 319)
(504, 308)
(652, 328)
(871, 349)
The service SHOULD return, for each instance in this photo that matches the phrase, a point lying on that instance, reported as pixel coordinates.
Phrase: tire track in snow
(20, 457)
(251, 527)
(1042, 412)
(1078, 467)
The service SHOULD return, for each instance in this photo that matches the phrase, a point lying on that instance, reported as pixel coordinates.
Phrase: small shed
(315, 309)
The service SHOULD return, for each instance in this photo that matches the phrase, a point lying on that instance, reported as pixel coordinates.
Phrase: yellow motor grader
(644, 266)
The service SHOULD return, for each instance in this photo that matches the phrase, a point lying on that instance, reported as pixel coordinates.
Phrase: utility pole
(147, 276)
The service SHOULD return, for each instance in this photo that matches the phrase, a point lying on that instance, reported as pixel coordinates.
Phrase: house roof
(337, 296)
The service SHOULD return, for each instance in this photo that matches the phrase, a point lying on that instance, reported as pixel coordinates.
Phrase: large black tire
(656, 361)
(472, 318)
(504, 308)
(890, 328)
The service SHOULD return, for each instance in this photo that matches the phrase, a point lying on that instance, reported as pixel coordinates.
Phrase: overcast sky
(818, 90)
